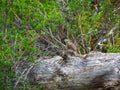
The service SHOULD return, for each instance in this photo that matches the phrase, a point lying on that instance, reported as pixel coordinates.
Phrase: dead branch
(98, 70)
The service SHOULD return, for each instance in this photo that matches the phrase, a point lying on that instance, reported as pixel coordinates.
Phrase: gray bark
(98, 70)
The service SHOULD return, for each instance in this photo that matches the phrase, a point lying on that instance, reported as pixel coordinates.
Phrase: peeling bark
(99, 71)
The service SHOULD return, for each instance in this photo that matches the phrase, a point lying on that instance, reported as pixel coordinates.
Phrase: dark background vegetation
(23, 23)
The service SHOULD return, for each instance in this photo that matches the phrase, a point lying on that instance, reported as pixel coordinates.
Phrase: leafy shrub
(15, 46)
(23, 20)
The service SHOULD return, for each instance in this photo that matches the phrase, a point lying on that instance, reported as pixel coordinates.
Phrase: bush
(24, 20)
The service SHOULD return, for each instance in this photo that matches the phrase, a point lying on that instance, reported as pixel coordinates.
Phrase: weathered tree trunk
(98, 70)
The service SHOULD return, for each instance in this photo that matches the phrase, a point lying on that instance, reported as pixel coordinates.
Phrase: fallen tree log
(99, 71)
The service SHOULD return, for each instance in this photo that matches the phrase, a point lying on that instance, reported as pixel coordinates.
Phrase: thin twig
(18, 80)
(82, 38)
(50, 42)
(6, 13)
(17, 16)
(31, 66)
(51, 34)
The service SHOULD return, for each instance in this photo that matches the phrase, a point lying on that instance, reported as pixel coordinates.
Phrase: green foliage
(114, 49)
(23, 20)
(15, 45)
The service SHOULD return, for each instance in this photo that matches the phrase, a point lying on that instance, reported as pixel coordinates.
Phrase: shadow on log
(99, 71)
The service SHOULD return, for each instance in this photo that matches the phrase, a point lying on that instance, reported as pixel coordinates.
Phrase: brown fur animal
(71, 50)
(71, 46)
